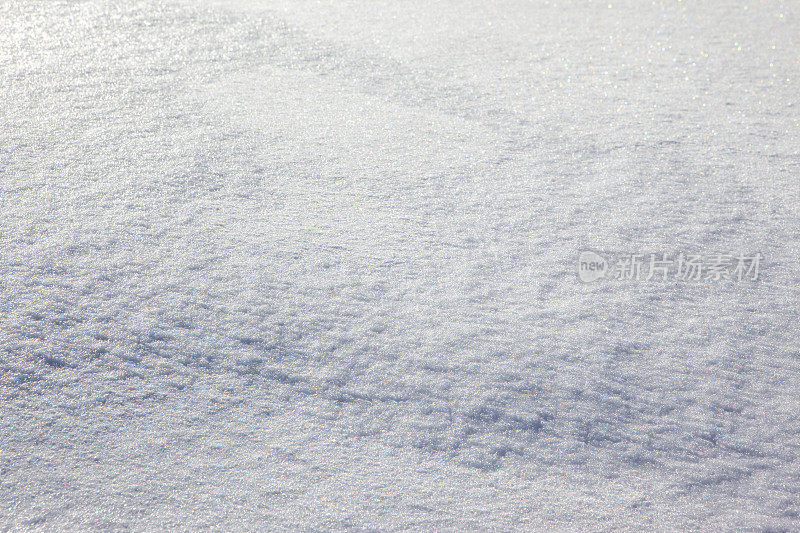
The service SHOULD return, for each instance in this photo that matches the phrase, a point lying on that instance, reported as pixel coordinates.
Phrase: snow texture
(303, 264)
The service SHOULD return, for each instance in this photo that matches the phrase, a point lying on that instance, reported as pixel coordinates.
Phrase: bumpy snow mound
(285, 265)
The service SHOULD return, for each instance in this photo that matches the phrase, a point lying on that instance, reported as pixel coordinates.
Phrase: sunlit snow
(311, 265)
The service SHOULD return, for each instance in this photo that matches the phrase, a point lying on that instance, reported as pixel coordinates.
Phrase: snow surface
(311, 264)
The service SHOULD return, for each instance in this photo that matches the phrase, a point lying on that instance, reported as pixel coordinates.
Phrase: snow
(312, 265)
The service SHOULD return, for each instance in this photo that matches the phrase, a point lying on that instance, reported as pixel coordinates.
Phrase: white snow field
(312, 265)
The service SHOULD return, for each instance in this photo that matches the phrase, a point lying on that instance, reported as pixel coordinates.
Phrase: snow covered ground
(302, 264)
